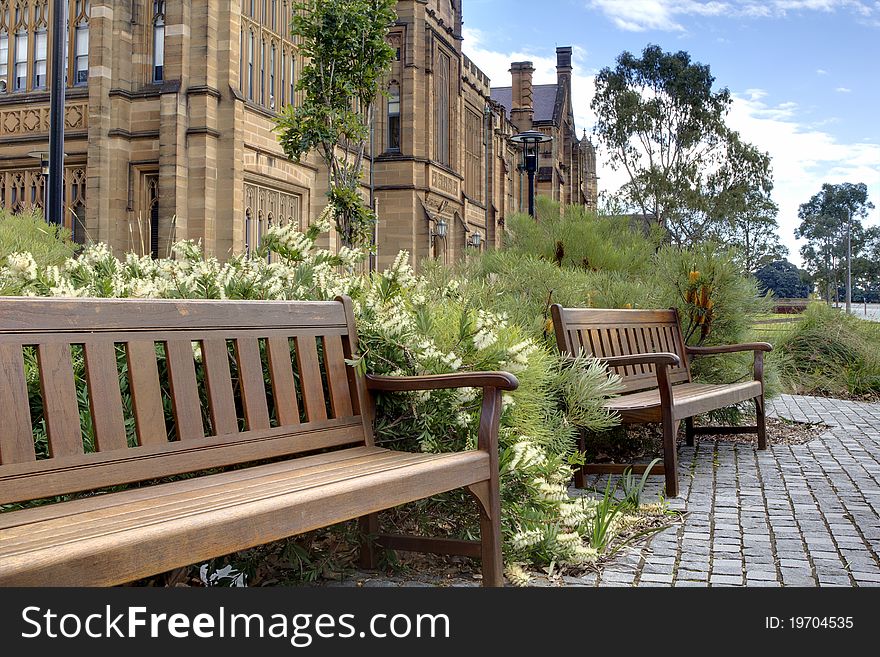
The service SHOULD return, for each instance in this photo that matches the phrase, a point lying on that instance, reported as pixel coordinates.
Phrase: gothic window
(251, 43)
(81, 43)
(4, 45)
(263, 72)
(291, 82)
(267, 57)
(158, 40)
(20, 62)
(40, 55)
(473, 150)
(272, 78)
(441, 108)
(394, 117)
(261, 205)
(152, 203)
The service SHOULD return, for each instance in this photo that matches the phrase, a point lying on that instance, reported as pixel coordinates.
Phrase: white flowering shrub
(406, 326)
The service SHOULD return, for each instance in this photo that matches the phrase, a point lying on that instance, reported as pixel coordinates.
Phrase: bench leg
(689, 431)
(489, 499)
(369, 529)
(670, 455)
(760, 416)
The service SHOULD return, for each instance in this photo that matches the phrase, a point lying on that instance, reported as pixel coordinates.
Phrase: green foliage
(28, 233)
(662, 123)
(784, 280)
(343, 44)
(830, 353)
(632, 488)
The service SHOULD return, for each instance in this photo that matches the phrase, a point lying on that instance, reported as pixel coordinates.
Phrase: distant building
(169, 119)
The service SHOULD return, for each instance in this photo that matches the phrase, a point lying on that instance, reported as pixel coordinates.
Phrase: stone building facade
(169, 117)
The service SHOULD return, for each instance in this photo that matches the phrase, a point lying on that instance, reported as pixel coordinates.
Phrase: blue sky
(803, 73)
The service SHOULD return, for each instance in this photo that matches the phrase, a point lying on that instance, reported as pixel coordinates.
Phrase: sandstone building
(169, 117)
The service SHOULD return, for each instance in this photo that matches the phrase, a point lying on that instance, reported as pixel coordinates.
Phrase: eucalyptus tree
(661, 122)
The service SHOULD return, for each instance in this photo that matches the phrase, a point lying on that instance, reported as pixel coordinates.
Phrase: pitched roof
(543, 99)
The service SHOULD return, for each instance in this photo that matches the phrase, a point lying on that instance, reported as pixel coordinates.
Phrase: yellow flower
(694, 276)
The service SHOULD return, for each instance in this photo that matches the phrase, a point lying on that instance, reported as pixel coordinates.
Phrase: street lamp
(530, 140)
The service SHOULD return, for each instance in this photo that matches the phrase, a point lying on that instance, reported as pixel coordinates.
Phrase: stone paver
(793, 515)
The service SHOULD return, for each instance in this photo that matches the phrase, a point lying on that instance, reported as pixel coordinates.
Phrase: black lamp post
(55, 204)
(530, 141)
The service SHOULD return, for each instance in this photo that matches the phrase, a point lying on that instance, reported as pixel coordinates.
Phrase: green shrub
(407, 325)
(47, 244)
(828, 352)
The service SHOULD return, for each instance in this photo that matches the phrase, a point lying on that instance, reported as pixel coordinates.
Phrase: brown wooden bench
(647, 350)
(279, 402)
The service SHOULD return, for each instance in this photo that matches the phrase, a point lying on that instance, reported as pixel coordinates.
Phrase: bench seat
(84, 541)
(688, 399)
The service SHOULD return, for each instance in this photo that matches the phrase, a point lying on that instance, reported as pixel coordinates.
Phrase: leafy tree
(343, 43)
(784, 280)
(753, 230)
(824, 224)
(661, 122)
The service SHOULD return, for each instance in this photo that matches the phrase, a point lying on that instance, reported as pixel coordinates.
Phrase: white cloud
(843, 90)
(803, 157)
(641, 15)
(821, 71)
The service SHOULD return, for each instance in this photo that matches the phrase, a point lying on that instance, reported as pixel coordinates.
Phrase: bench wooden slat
(210, 532)
(186, 405)
(283, 382)
(218, 380)
(310, 379)
(60, 406)
(16, 432)
(253, 485)
(337, 377)
(45, 478)
(146, 395)
(253, 385)
(338, 458)
(54, 315)
(105, 400)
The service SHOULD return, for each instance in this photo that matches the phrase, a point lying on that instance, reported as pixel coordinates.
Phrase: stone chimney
(522, 110)
(563, 64)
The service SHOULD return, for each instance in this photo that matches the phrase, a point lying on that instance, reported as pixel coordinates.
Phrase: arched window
(40, 53)
(247, 231)
(283, 77)
(272, 79)
(394, 117)
(273, 19)
(291, 83)
(4, 44)
(263, 72)
(20, 61)
(158, 40)
(251, 44)
(81, 44)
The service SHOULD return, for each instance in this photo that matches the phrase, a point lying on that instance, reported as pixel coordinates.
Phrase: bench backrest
(242, 381)
(604, 333)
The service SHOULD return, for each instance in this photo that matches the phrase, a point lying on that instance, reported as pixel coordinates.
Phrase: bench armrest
(730, 348)
(492, 384)
(660, 358)
(499, 380)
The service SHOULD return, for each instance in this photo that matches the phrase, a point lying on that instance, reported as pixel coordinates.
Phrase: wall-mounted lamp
(439, 229)
(475, 239)
(43, 157)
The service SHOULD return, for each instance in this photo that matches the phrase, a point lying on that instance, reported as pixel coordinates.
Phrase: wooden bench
(647, 350)
(262, 386)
